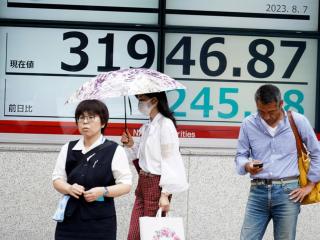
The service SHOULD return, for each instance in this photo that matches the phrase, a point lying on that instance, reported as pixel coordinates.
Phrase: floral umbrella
(124, 82)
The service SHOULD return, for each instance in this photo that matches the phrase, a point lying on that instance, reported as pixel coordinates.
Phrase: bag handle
(159, 213)
(301, 148)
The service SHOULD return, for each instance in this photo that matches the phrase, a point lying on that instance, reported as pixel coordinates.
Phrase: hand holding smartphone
(258, 165)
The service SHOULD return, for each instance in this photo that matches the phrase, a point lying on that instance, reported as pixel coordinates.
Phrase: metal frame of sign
(17, 127)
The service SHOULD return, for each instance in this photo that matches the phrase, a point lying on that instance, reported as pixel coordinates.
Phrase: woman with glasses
(160, 165)
(90, 172)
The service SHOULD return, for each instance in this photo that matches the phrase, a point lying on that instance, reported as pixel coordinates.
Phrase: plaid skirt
(148, 193)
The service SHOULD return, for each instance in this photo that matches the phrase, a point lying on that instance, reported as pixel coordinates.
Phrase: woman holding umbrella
(161, 169)
(90, 172)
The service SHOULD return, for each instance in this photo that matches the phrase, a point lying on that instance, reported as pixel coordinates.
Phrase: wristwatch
(106, 192)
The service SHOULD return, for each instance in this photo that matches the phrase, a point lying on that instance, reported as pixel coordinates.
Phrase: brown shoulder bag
(304, 164)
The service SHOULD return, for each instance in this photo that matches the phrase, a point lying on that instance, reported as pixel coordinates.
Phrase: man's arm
(243, 150)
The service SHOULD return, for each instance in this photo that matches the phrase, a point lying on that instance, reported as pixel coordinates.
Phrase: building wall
(213, 208)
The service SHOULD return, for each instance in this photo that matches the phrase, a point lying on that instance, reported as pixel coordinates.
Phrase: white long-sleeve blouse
(158, 153)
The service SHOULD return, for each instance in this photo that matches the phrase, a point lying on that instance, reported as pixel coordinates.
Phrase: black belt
(259, 181)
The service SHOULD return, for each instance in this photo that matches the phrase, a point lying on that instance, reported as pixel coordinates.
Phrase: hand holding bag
(161, 228)
(304, 164)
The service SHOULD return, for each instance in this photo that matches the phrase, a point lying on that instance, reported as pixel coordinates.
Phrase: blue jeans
(268, 202)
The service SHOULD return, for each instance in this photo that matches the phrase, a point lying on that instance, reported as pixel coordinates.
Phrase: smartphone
(259, 165)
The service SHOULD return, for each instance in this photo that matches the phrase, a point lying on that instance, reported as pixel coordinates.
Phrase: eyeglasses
(90, 118)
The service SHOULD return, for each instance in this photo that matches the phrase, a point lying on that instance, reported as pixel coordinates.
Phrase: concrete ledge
(32, 147)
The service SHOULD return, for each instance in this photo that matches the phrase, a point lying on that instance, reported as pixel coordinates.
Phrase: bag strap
(159, 213)
(300, 147)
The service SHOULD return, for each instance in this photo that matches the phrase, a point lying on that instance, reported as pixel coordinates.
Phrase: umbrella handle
(125, 112)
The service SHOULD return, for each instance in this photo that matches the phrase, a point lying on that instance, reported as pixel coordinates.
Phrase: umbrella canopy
(124, 82)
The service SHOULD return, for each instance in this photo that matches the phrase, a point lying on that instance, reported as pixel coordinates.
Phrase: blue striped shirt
(278, 153)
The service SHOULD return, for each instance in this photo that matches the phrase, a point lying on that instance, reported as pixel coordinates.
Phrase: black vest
(93, 173)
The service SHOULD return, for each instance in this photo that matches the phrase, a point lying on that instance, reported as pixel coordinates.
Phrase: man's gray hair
(268, 93)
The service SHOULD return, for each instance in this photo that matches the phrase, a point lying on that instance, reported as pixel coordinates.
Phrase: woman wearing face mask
(160, 166)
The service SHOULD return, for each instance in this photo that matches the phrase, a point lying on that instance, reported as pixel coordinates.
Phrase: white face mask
(145, 107)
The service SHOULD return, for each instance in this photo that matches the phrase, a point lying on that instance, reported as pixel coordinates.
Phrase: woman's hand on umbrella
(127, 139)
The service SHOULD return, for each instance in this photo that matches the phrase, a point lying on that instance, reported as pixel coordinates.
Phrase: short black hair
(268, 93)
(94, 107)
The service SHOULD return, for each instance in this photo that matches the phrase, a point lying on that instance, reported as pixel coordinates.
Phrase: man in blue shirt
(267, 151)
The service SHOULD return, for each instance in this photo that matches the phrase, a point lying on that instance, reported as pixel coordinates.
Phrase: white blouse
(158, 153)
(119, 166)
